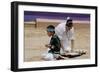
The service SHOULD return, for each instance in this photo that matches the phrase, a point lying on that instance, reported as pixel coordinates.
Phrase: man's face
(67, 28)
(69, 22)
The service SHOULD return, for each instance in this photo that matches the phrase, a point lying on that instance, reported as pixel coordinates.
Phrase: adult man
(65, 32)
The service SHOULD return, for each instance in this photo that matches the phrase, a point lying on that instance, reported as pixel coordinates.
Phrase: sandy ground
(36, 38)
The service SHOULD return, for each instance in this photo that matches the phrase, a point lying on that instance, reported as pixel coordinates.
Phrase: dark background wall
(30, 15)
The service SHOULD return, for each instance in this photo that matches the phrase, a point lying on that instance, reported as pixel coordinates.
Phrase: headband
(50, 30)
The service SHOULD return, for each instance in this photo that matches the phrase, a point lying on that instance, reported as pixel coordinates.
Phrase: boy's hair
(50, 28)
(69, 23)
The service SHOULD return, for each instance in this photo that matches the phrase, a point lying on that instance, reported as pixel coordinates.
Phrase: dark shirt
(55, 44)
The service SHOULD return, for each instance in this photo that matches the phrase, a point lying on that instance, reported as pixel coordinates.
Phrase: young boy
(54, 46)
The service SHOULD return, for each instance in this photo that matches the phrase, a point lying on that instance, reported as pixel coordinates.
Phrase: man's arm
(72, 37)
(62, 45)
(72, 45)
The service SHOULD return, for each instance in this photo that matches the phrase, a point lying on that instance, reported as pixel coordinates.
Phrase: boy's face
(49, 34)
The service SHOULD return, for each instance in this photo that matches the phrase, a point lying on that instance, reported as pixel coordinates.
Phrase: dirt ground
(36, 38)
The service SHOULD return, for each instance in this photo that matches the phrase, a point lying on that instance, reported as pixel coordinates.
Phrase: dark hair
(50, 28)
(69, 23)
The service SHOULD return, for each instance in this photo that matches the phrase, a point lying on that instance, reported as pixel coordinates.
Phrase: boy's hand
(47, 45)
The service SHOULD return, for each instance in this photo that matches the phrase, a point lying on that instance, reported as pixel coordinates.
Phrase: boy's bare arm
(49, 46)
